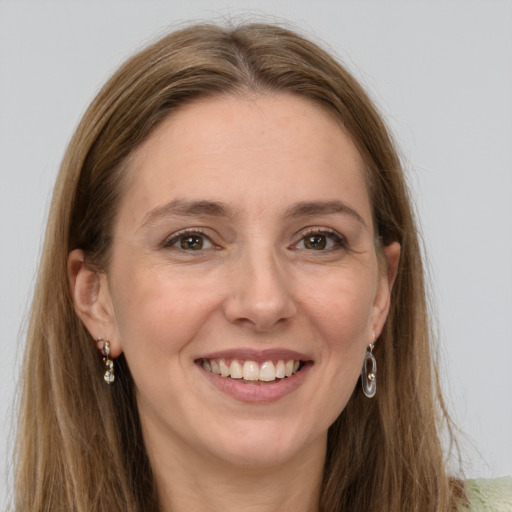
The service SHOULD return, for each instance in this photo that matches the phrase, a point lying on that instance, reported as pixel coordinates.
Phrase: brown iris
(315, 242)
(191, 242)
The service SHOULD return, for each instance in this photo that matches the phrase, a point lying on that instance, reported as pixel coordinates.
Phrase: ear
(386, 281)
(92, 300)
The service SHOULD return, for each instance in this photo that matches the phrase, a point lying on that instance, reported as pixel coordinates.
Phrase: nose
(260, 293)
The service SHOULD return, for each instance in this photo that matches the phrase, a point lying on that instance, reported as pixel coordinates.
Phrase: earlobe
(91, 299)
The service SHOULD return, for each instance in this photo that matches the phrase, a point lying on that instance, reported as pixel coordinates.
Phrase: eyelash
(176, 237)
(338, 240)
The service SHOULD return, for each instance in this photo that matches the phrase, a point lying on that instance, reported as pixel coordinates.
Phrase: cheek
(341, 309)
(341, 313)
(157, 313)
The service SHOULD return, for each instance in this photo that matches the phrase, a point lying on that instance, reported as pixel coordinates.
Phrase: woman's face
(244, 245)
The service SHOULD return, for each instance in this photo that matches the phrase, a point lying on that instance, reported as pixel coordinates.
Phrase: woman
(230, 250)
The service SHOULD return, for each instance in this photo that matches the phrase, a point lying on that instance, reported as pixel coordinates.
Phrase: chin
(254, 456)
(261, 445)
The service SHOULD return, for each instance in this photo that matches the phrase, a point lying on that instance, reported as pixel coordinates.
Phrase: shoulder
(490, 495)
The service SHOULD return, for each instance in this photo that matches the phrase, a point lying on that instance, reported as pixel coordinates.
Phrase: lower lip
(257, 392)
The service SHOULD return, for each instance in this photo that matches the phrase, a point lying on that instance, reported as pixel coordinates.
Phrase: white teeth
(268, 371)
(224, 368)
(280, 369)
(251, 371)
(215, 367)
(235, 370)
(288, 368)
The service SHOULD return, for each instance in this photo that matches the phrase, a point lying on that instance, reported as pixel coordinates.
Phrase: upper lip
(259, 356)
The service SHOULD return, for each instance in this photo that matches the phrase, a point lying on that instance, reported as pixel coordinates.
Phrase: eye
(189, 241)
(321, 240)
(192, 242)
(317, 242)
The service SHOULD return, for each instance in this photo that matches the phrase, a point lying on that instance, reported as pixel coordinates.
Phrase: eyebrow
(184, 208)
(314, 208)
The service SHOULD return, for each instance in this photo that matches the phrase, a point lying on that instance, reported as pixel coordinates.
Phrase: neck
(196, 482)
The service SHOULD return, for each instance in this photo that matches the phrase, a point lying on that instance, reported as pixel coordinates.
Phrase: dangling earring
(109, 376)
(369, 375)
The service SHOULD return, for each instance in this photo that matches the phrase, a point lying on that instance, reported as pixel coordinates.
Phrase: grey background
(441, 72)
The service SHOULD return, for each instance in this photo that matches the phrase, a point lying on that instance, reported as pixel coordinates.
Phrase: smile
(255, 376)
(252, 371)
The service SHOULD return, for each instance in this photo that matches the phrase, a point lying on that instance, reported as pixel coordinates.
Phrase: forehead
(258, 151)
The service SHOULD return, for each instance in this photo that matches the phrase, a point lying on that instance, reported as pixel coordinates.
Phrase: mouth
(252, 372)
(254, 376)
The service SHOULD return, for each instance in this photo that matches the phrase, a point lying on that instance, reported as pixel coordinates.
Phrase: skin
(258, 282)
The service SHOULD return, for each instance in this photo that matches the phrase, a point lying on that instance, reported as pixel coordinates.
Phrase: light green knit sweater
(490, 495)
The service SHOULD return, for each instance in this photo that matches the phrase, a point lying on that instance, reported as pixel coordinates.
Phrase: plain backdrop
(441, 73)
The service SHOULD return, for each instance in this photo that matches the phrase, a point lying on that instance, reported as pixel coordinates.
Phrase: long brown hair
(79, 444)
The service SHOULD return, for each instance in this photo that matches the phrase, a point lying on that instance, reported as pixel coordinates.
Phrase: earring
(369, 376)
(109, 376)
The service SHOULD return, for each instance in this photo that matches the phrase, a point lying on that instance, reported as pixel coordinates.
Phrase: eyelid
(337, 237)
(321, 230)
(170, 240)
